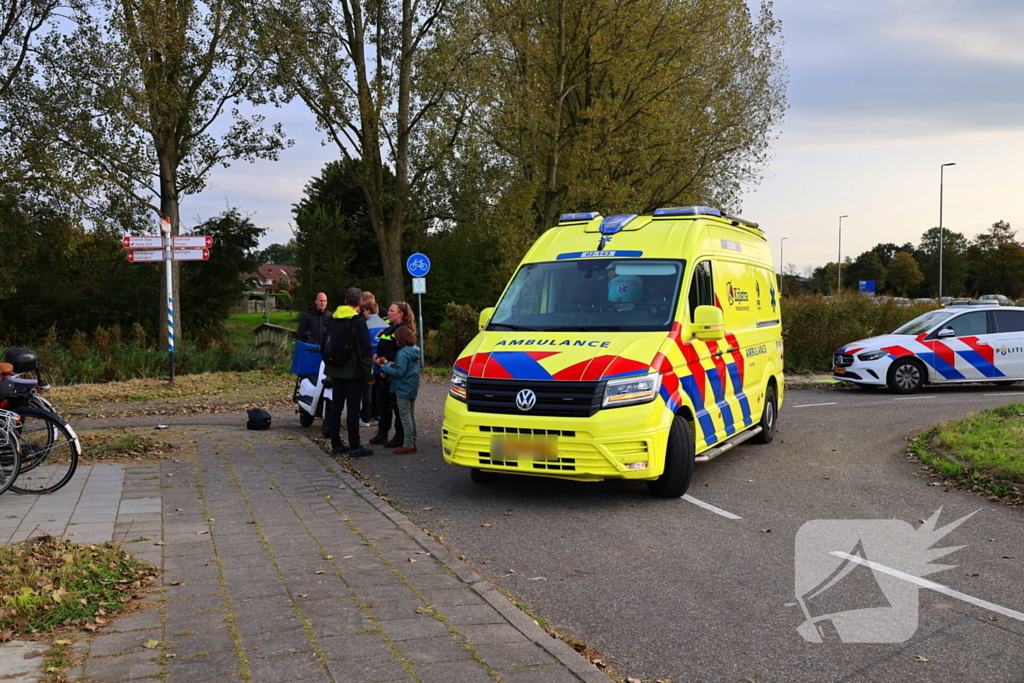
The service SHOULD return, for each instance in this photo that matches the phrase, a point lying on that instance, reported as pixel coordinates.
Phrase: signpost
(418, 266)
(190, 254)
(150, 248)
(145, 256)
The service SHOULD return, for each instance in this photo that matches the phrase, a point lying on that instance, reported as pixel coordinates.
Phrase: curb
(564, 654)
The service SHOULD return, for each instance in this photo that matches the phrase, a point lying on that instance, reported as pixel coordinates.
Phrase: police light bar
(612, 224)
(687, 211)
(578, 217)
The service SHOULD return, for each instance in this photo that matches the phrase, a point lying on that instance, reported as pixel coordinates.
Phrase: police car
(950, 345)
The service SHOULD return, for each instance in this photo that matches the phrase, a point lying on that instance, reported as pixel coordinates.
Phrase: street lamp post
(840, 261)
(782, 246)
(942, 236)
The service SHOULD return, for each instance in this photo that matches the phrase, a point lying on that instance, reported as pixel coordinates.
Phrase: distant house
(275, 278)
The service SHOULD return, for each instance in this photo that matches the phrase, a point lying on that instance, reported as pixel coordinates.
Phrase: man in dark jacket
(348, 379)
(313, 321)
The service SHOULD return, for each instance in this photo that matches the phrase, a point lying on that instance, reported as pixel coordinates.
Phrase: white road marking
(709, 506)
(812, 405)
(912, 398)
(924, 583)
(1008, 393)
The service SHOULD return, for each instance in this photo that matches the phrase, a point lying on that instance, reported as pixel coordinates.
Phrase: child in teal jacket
(405, 383)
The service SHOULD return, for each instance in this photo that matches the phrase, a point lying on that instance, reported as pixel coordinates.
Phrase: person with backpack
(405, 384)
(348, 362)
(399, 315)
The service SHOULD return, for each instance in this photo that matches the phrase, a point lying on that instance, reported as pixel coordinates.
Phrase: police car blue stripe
(979, 363)
(941, 366)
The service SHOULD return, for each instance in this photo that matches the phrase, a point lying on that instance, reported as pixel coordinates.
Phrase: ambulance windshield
(923, 323)
(591, 294)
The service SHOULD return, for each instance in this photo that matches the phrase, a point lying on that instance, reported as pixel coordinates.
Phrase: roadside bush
(813, 327)
(456, 330)
(284, 301)
(110, 356)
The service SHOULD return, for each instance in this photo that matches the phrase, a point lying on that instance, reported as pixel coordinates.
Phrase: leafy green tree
(210, 288)
(885, 252)
(621, 107)
(279, 254)
(370, 74)
(997, 261)
(868, 266)
(904, 273)
(135, 89)
(954, 261)
(335, 242)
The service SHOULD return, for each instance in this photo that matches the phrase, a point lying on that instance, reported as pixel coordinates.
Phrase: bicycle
(10, 449)
(49, 446)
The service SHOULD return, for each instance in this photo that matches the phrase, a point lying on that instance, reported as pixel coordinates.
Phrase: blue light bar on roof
(688, 211)
(577, 217)
(612, 224)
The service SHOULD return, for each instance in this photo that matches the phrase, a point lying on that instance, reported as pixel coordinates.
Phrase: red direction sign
(190, 254)
(192, 242)
(136, 242)
(145, 256)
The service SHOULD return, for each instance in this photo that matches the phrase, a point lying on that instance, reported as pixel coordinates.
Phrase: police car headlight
(631, 390)
(873, 355)
(457, 384)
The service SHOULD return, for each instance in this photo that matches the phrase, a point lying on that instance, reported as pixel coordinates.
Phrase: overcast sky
(881, 93)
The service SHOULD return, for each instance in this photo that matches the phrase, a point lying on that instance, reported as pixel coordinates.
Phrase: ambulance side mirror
(708, 324)
(485, 317)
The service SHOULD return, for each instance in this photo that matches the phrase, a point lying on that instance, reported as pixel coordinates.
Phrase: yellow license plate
(508, 448)
(840, 371)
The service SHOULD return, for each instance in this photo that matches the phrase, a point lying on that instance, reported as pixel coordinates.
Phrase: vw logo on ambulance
(526, 400)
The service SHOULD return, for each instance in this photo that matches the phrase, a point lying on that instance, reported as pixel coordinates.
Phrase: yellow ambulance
(626, 347)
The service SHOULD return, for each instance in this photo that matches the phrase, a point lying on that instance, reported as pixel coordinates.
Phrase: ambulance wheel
(480, 476)
(905, 376)
(305, 419)
(768, 416)
(679, 459)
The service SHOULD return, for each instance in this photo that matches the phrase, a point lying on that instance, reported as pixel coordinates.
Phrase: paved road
(670, 590)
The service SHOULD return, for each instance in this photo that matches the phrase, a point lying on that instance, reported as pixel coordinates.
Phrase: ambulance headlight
(457, 384)
(873, 355)
(630, 390)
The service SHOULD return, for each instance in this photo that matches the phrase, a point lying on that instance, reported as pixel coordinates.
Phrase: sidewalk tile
(353, 645)
(506, 655)
(120, 668)
(554, 673)
(278, 643)
(355, 622)
(117, 642)
(453, 672)
(430, 650)
(217, 666)
(369, 670)
(192, 643)
(424, 626)
(288, 667)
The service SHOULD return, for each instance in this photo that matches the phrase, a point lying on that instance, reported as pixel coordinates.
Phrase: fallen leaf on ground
(919, 658)
(487, 525)
(150, 644)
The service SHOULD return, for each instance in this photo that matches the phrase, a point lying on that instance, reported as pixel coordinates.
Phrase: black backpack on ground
(336, 347)
(258, 419)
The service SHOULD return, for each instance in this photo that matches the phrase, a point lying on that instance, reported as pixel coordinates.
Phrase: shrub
(284, 301)
(456, 330)
(814, 327)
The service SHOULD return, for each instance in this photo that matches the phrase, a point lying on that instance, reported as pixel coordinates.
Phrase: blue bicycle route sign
(418, 265)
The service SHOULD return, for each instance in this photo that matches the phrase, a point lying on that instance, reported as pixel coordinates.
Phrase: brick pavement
(279, 566)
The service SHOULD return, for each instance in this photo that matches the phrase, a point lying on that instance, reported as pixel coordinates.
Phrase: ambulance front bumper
(618, 443)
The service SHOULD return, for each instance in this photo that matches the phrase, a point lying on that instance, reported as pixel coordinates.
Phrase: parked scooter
(313, 392)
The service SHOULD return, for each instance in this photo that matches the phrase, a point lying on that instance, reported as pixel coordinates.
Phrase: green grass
(239, 326)
(982, 450)
(47, 583)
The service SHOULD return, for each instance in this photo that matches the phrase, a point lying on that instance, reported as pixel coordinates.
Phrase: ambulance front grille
(554, 399)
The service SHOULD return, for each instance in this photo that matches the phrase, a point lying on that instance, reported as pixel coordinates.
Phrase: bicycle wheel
(49, 452)
(10, 450)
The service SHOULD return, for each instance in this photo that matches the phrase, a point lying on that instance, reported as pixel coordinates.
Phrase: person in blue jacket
(370, 409)
(405, 383)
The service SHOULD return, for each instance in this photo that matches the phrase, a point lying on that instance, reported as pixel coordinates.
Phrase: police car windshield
(923, 323)
(592, 295)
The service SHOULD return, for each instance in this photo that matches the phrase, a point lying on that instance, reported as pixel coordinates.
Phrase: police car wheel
(768, 416)
(480, 476)
(679, 459)
(905, 376)
(305, 419)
